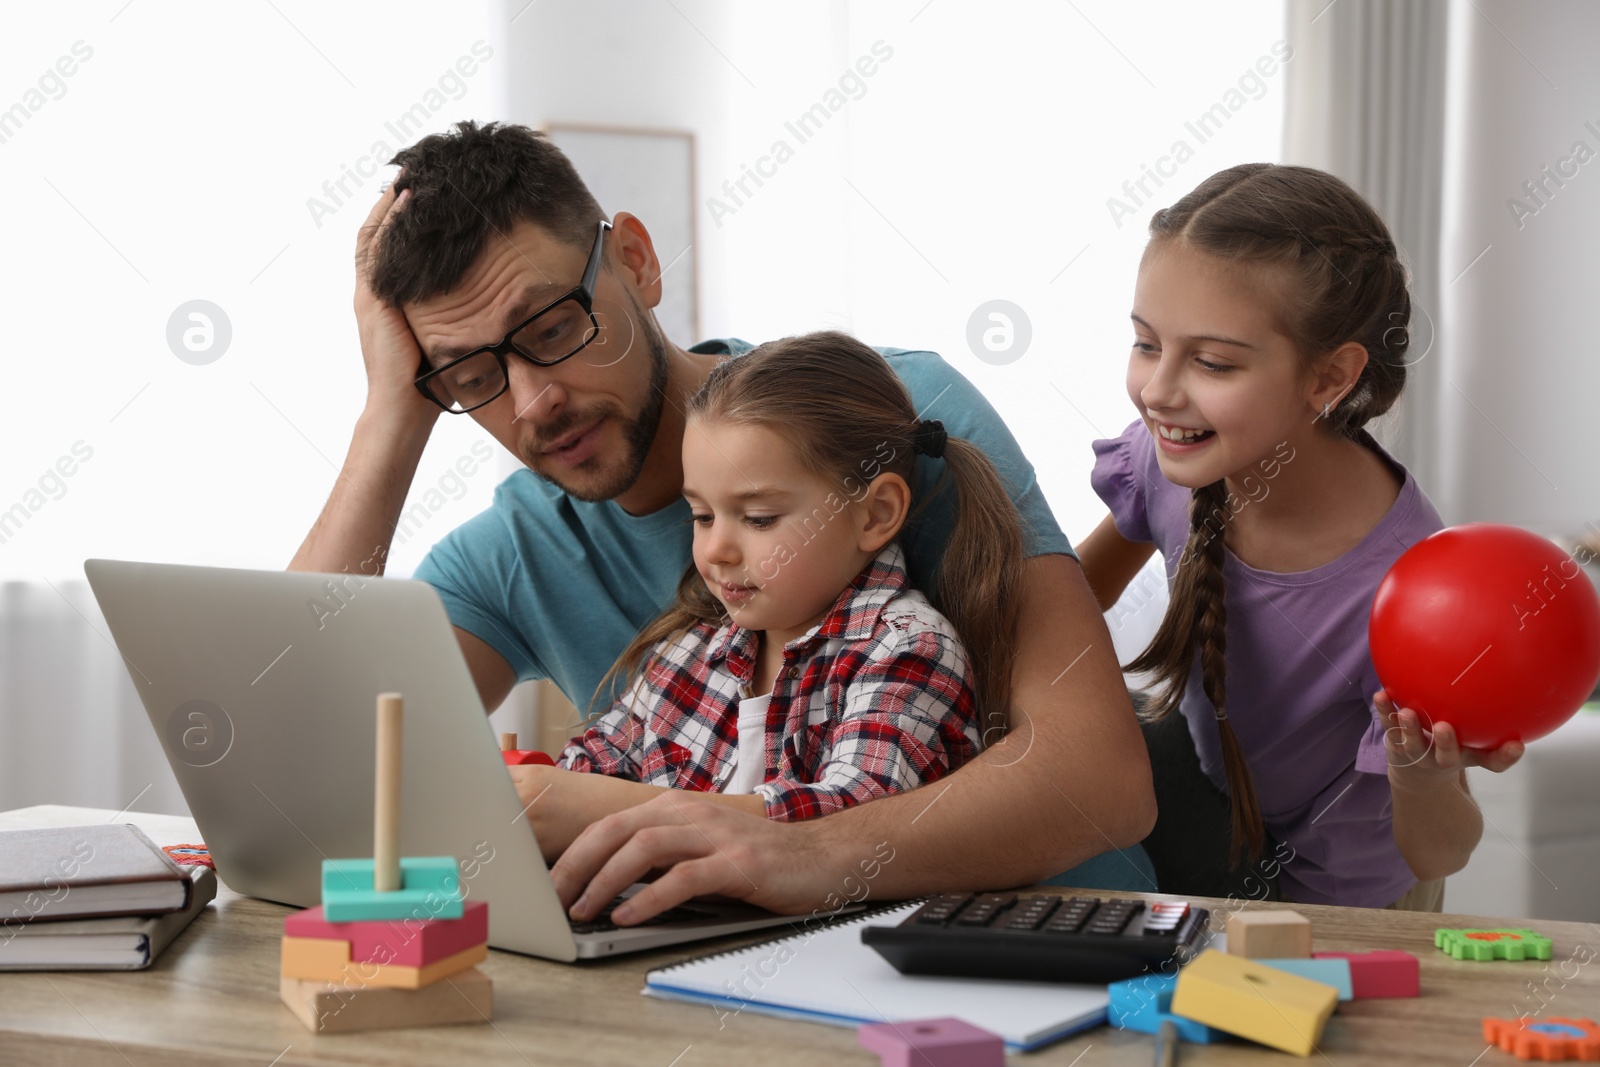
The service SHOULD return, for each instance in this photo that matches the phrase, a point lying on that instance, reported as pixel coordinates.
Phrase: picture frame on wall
(649, 173)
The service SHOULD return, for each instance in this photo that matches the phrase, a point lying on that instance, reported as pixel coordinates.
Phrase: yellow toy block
(1254, 1001)
(1269, 935)
(321, 960)
(329, 1007)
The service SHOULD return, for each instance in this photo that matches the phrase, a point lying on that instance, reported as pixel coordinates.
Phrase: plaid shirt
(874, 699)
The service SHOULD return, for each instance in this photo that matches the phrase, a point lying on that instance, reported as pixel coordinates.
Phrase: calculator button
(1114, 916)
(1164, 918)
(1030, 913)
(983, 910)
(1070, 919)
(941, 909)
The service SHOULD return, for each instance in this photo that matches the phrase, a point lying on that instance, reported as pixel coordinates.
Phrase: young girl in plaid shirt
(798, 672)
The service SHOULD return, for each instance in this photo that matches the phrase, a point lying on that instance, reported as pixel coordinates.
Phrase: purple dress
(1300, 681)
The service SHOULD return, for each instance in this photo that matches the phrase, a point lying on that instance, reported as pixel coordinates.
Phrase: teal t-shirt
(559, 586)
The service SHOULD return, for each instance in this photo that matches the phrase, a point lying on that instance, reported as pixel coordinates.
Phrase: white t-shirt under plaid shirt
(874, 699)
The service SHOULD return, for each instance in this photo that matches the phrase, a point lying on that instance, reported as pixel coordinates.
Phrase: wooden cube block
(1254, 1001)
(1384, 972)
(411, 942)
(1269, 935)
(430, 888)
(1329, 971)
(311, 960)
(1144, 1003)
(326, 1007)
(932, 1043)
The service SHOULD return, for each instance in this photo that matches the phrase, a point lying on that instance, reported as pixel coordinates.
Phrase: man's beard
(638, 433)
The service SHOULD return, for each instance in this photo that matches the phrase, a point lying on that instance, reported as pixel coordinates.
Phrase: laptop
(261, 686)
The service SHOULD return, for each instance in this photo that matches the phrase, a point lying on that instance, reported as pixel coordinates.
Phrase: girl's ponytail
(1197, 618)
(980, 576)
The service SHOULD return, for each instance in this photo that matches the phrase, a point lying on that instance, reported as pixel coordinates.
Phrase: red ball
(1489, 628)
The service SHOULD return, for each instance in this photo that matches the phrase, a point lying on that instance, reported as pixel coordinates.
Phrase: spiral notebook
(829, 976)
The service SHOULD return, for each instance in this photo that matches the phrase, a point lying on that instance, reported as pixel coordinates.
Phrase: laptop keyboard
(602, 923)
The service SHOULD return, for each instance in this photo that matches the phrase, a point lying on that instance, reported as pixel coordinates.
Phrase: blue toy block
(1329, 972)
(430, 888)
(1144, 1003)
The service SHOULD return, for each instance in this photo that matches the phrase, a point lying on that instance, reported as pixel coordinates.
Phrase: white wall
(1518, 335)
(973, 164)
(183, 157)
(179, 161)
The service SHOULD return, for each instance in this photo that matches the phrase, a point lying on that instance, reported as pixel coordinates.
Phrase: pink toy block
(932, 1043)
(405, 942)
(1381, 973)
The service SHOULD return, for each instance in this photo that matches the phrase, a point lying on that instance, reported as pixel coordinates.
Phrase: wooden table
(212, 997)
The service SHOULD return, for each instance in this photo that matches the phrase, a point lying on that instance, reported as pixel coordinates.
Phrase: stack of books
(92, 898)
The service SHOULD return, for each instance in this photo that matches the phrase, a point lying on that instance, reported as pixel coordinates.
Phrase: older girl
(1270, 326)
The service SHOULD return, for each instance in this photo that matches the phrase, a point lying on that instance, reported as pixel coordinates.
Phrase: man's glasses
(558, 331)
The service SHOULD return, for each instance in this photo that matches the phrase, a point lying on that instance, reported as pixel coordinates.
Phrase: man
(488, 283)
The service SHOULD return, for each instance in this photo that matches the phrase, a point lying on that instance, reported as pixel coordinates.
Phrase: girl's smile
(1179, 440)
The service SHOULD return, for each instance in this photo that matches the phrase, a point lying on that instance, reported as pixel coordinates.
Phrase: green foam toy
(1507, 944)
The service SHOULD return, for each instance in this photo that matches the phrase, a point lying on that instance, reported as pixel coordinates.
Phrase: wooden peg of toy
(386, 804)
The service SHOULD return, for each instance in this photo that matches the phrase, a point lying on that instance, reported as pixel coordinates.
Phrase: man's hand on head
(388, 347)
(358, 522)
(705, 849)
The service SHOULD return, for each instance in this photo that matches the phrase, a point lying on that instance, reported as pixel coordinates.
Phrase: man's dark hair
(467, 185)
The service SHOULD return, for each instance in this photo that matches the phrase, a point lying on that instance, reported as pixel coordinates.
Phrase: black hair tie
(929, 438)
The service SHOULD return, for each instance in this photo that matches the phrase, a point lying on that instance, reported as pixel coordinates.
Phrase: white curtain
(1522, 211)
(1365, 99)
(1471, 126)
(72, 729)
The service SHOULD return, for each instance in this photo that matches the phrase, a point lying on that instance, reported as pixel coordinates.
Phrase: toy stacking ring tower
(394, 942)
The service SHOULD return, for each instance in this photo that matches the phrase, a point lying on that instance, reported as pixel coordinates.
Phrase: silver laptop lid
(261, 686)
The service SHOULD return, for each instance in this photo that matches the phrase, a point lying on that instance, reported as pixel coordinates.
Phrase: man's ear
(634, 259)
(882, 511)
(1337, 373)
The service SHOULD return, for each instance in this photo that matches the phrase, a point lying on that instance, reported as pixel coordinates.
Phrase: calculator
(1041, 936)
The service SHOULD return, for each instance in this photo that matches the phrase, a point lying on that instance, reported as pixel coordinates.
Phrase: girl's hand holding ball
(1422, 759)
